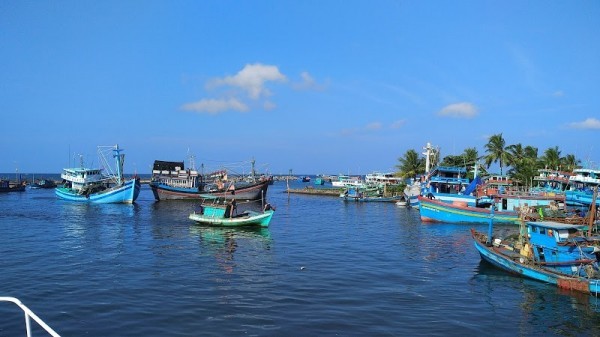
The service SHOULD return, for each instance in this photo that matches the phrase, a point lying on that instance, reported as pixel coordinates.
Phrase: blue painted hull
(580, 198)
(125, 194)
(438, 211)
(513, 265)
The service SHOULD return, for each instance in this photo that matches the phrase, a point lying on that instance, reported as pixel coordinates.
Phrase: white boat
(379, 178)
(347, 181)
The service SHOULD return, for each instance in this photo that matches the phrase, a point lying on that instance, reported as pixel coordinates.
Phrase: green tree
(496, 151)
(410, 165)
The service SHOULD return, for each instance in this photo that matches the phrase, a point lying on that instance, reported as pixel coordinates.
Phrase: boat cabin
(562, 246)
(447, 179)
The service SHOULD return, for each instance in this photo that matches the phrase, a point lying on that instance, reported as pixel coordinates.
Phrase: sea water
(324, 267)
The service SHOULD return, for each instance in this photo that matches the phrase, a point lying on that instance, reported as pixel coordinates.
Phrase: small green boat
(222, 215)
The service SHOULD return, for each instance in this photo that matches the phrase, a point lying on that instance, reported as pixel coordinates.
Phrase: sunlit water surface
(323, 267)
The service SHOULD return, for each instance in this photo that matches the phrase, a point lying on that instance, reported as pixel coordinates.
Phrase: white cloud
(307, 82)
(459, 110)
(268, 105)
(590, 123)
(398, 124)
(215, 106)
(373, 126)
(558, 93)
(252, 79)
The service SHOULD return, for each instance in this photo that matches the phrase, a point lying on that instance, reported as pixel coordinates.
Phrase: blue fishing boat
(99, 185)
(224, 214)
(551, 252)
(581, 185)
(433, 210)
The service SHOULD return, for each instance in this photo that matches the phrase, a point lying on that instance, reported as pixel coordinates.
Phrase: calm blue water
(323, 268)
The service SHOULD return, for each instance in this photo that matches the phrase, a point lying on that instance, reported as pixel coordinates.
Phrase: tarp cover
(167, 165)
(472, 186)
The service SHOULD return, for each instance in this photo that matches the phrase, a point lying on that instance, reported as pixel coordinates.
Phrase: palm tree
(569, 162)
(496, 151)
(551, 158)
(411, 165)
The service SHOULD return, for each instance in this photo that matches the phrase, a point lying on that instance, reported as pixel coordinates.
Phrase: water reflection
(539, 302)
(222, 243)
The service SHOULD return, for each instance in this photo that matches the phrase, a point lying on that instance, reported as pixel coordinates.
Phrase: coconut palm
(569, 162)
(411, 165)
(496, 151)
(551, 158)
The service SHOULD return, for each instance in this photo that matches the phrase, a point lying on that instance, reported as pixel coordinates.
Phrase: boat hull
(514, 265)
(438, 211)
(125, 194)
(250, 192)
(251, 219)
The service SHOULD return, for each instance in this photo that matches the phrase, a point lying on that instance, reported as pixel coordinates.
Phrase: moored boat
(581, 184)
(99, 185)
(551, 252)
(433, 210)
(8, 186)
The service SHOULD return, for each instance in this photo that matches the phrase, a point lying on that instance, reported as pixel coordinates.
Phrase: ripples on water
(323, 267)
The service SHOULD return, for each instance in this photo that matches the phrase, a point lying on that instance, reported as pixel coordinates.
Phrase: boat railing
(28, 315)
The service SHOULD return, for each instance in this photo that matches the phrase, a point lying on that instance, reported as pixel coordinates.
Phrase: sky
(310, 86)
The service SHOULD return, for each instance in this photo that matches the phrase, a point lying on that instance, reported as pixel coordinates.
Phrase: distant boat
(305, 179)
(367, 195)
(7, 186)
(214, 214)
(346, 181)
(43, 183)
(319, 181)
(96, 186)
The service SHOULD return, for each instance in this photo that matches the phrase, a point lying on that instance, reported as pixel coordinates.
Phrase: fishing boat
(366, 195)
(224, 214)
(555, 253)
(8, 186)
(171, 180)
(43, 183)
(99, 185)
(433, 210)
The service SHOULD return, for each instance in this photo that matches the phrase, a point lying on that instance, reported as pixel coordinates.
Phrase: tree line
(523, 161)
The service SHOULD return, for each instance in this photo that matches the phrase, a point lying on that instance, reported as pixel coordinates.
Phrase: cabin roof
(553, 225)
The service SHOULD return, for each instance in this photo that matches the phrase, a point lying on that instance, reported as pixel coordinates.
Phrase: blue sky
(313, 86)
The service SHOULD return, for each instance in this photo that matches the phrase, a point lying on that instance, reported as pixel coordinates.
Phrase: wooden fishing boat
(215, 214)
(556, 253)
(171, 180)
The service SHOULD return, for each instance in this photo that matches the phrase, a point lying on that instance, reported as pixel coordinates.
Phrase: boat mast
(119, 161)
(428, 152)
